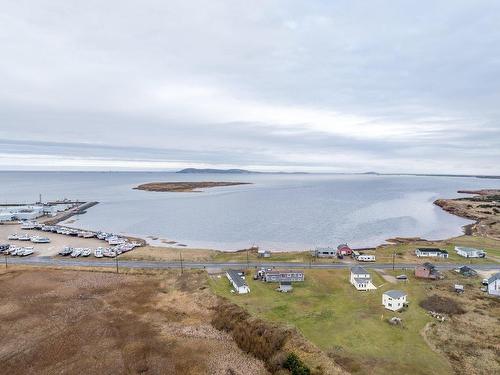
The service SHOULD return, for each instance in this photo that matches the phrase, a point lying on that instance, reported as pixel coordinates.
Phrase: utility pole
(248, 261)
(182, 268)
(393, 257)
(5, 256)
(116, 260)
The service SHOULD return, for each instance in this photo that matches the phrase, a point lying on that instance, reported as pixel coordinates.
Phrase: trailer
(366, 258)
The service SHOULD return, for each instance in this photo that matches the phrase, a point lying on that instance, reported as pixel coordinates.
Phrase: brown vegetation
(470, 340)
(184, 186)
(442, 305)
(102, 323)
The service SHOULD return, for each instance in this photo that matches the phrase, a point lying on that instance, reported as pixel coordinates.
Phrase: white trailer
(366, 258)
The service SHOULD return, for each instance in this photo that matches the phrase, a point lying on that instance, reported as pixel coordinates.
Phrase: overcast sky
(388, 86)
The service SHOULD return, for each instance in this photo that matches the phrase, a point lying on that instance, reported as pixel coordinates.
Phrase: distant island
(212, 170)
(184, 186)
(231, 171)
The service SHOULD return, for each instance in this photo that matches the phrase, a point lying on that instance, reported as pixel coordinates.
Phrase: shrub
(442, 305)
(295, 365)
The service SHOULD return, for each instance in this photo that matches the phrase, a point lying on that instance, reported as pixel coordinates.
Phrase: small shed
(261, 253)
(459, 288)
(285, 287)
(394, 300)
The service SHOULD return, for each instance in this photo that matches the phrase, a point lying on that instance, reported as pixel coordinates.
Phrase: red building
(343, 249)
(427, 271)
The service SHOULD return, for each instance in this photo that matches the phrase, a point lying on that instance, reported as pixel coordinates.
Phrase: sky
(317, 86)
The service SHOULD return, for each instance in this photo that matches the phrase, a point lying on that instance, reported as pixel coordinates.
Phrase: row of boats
(100, 252)
(111, 238)
(26, 237)
(16, 250)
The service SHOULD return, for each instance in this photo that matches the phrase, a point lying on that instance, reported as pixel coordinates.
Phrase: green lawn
(332, 314)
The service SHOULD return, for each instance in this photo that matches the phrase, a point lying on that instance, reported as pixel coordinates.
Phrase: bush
(442, 305)
(295, 365)
(257, 337)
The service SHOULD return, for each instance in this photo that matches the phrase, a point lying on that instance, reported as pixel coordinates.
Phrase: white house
(237, 279)
(394, 300)
(361, 279)
(431, 252)
(494, 285)
(469, 252)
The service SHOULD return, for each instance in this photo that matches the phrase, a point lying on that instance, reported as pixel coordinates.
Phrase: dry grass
(102, 323)
(470, 341)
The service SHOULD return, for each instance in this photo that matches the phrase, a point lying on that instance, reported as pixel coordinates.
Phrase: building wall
(393, 304)
(494, 288)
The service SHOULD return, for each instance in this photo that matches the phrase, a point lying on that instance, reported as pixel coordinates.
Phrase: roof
(465, 269)
(467, 249)
(285, 283)
(237, 279)
(342, 245)
(279, 272)
(358, 270)
(428, 265)
(361, 280)
(395, 293)
(431, 250)
(494, 277)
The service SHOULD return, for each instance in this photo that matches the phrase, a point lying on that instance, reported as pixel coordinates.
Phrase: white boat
(24, 237)
(109, 253)
(11, 250)
(86, 252)
(88, 235)
(26, 251)
(13, 236)
(98, 253)
(76, 252)
(29, 225)
(102, 235)
(66, 251)
(38, 239)
(114, 240)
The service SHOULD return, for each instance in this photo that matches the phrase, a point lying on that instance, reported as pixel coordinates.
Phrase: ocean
(277, 211)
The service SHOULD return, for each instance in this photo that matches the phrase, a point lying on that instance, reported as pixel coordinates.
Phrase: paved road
(70, 262)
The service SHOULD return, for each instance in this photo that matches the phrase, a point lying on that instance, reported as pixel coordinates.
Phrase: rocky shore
(185, 186)
(483, 207)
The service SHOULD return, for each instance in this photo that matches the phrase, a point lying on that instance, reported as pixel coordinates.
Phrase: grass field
(348, 324)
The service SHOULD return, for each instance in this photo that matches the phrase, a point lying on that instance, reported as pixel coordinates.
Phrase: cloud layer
(283, 85)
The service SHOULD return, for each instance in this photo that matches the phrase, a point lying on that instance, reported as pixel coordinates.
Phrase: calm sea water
(282, 212)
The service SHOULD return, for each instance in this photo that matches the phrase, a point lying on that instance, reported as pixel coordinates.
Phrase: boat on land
(66, 251)
(98, 253)
(29, 225)
(13, 237)
(39, 239)
(115, 240)
(76, 252)
(24, 237)
(109, 253)
(26, 251)
(86, 252)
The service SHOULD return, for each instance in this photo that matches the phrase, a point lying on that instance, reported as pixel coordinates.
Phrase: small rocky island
(182, 187)
(483, 207)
